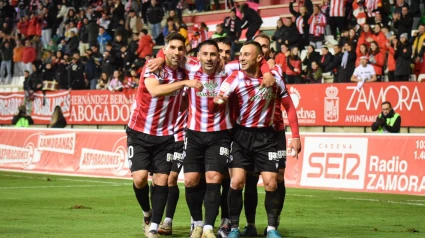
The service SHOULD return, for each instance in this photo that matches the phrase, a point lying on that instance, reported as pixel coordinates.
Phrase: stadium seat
(327, 78)
(15, 89)
(2, 90)
(421, 78)
(412, 78)
(8, 90)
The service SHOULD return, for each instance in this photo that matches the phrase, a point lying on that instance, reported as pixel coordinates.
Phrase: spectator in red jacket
(380, 38)
(28, 56)
(23, 26)
(146, 44)
(365, 38)
(376, 59)
(33, 25)
(293, 67)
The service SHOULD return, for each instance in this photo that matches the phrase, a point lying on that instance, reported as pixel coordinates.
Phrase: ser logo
(337, 162)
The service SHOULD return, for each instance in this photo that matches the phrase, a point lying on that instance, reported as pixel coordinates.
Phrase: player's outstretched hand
(268, 80)
(194, 84)
(295, 147)
(155, 64)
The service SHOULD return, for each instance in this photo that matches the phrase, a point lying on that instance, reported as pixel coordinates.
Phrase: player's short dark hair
(255, 44)
(325, 47)
(225, 40)
(208, 42)
(262, 35)
(175, 36)
(388, 103)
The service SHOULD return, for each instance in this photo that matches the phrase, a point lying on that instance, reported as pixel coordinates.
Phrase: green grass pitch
(56, 206)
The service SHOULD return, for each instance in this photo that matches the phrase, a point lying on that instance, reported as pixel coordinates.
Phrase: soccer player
(250, 192)
(166, 227)
(150, 131)
(254, 139)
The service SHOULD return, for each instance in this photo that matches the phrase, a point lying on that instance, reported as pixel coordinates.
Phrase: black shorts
(177, 157)
(206, 151)
(254, 149)
(151, 153)
(281, 148)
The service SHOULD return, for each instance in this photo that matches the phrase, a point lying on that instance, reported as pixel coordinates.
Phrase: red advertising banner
(351, 162)
(86, 107)
(316, 104)
(345, 105)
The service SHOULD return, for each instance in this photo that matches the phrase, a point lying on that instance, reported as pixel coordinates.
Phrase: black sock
(173, 198)
(282, 191)
(235, 206)
(251, 198)
(142, 196)
(272, 204)
(151, 189)
(194, 202)
(225, 184)
(159, 198)
(212, 201)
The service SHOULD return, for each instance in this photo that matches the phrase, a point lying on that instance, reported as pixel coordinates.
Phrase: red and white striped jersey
(317, 24)
(199, 116)
(372, 5)
(337, 8)
(278, 116)
(299, 23)
(156, 115)
(180, 128)
(257, 106)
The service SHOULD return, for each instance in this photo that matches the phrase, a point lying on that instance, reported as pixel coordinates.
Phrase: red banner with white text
(351, 162)
(316, 104)
(86, 107)
(344, 105)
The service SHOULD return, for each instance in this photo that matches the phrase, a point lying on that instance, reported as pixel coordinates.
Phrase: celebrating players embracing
(150, 135)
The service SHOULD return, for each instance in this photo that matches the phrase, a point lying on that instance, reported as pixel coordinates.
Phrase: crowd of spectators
(95, 44)
(389, 33)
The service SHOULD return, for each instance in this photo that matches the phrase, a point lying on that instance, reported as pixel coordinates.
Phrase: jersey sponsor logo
(274, 156)
(334, 162)
(210, 89)
(224, 151)
(170, 157)
(331, 104)
(178, 156)
(264, 94)
(60, 143)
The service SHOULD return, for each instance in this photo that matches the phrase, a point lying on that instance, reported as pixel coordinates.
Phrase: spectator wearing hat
(363, 73)
(402, 56)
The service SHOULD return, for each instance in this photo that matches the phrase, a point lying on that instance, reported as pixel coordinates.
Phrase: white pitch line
(376, 200)
(62, 186)
(62, 179)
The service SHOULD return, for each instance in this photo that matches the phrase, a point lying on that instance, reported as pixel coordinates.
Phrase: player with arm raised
(254, 139)
(150, 134)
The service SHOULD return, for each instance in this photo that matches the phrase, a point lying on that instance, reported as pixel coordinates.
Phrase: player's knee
(160, 179)
(191, 180)
(172, 179)
(213, 177)
(140, 182)
(270, 184)
(237, 183)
